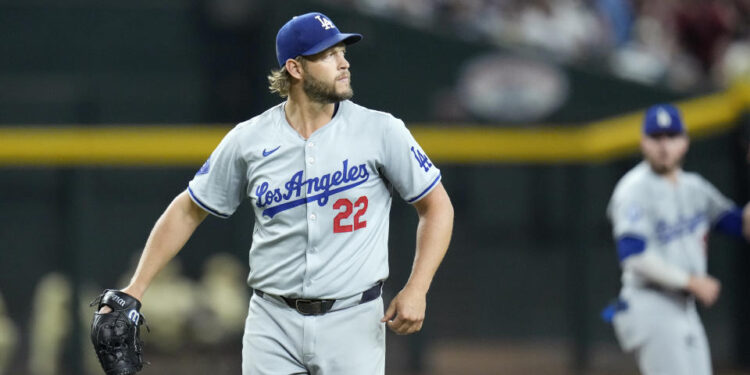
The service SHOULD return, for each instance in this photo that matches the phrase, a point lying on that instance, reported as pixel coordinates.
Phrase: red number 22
(348, 206)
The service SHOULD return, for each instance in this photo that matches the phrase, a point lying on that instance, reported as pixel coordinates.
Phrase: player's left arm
(735, 222)
(406, 312)
(724, 214)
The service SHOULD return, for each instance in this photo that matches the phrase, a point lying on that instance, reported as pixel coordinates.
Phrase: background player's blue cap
(661, 119)
(307, 35)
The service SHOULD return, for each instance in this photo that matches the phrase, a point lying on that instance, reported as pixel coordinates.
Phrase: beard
(320, 92)
(665, 168)
(661, 169)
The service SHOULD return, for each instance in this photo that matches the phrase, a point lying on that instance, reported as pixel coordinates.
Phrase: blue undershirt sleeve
(628, 245)
(730, 223)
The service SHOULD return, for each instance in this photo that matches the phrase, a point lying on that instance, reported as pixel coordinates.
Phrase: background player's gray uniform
(321, 230)
(662, 326)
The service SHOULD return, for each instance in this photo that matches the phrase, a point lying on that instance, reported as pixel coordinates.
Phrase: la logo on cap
(308, 34)
(663, 119)
(325, 22)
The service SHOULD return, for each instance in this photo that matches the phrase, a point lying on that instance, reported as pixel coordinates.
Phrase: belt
(307, 306)
(659, 288)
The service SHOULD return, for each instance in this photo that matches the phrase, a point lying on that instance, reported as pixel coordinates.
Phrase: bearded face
(330, 91)
(325, 76)
(664, 152)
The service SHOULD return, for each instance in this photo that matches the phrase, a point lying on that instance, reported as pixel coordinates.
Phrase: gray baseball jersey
(673, 219)
(663, 328)
(321, 205)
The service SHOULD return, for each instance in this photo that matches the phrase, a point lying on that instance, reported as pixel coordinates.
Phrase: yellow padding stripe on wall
(139, 145)
(594, 142)
(143, 145)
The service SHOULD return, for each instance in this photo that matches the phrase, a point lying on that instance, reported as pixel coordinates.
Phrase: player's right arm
(169, 235)
(650, 266)
(218, 188)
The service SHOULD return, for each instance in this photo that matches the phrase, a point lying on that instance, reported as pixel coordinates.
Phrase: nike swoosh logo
(266, 153)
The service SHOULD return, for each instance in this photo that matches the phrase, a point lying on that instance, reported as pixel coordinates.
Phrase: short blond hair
(280, 81)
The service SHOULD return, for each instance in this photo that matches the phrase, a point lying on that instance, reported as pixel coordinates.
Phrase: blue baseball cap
(307, 35)
(663, 119)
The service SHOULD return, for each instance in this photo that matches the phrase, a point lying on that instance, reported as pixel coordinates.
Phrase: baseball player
(661, 219)
(319, 171)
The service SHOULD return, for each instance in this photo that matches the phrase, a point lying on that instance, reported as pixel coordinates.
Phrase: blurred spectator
(704, 28)
(224, 297)
(682, 44)
(50, 324)
(618, 18)
(653, 54)
(8, 338)
(564, 27)
(735, 63)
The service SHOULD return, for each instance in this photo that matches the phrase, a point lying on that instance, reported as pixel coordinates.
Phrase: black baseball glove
(116, 335)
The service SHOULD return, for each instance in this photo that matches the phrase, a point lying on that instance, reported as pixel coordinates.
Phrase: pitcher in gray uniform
(661, 219)
(320, 172)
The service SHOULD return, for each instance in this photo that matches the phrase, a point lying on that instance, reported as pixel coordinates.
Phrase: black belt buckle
(308, 307)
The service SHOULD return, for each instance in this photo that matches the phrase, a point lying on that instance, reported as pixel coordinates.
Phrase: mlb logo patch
(634, 213)
(204, 169)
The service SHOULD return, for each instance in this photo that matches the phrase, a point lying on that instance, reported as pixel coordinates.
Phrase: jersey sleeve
(629, 218)
(717, 204)
(406, 166)
(221, 184)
